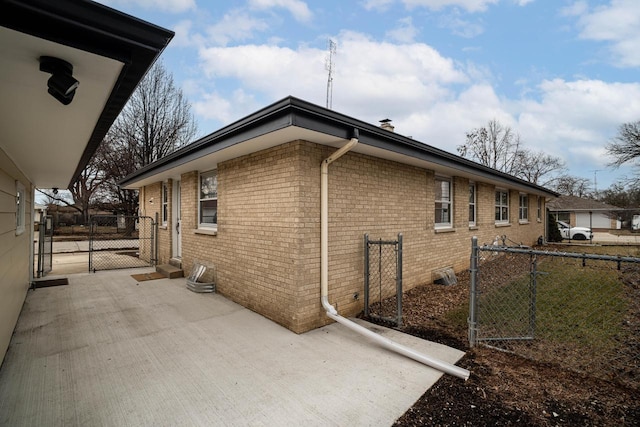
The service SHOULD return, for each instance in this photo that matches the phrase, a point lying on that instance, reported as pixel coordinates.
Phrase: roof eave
(292, 111)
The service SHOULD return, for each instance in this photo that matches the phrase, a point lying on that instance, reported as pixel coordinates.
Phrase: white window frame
(208, 225)
(499, 205)
(164, 206)
(448, 202)
(539, 212)
(473, 203)
(523, 209)
(21, 201)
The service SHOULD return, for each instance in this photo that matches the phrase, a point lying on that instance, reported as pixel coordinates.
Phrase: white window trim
(503, 221)
(441, 225)
(205, 226)
(522, 220)
(164, 205)
(539, 209)
(21, 201)
(472, 223)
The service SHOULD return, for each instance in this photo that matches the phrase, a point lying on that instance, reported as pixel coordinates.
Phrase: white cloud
(394, 76)
(226, 109)
(575, 9)
(578, 116)
(171, 6)
(184, 36)
(468, 5)
(460, 27)
(379, 5)
(405, 32)
(617, 23)
(235, 25)
(297, 8)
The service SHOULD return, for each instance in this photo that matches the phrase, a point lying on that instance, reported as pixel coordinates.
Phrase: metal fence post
(473, 292)
(366, 274)
(154, 240)
(399, 280)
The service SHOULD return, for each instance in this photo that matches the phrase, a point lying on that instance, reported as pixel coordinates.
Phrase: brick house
(247, 199)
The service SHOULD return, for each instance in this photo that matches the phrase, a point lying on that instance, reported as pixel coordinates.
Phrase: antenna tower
(329, 67)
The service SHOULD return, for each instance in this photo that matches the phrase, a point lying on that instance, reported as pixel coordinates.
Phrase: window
(165, 203)
(523, 211)
(443, 202)
(21, 200)
(539, 213)
(208, 199)
(472, 203)
(502, 206)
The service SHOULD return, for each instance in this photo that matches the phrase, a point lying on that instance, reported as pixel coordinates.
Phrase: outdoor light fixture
(62, 85)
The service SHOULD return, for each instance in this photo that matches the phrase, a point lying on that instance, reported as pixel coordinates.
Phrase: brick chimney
(386, 124)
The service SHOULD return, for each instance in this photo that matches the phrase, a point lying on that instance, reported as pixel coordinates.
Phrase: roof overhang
(292, 119)
(110, 52)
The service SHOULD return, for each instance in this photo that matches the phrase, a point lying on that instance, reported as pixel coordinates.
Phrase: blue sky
(561, 73)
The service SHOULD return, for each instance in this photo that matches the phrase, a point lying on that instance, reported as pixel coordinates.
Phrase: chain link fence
(121, 241)
(383, 280)
(581, 311)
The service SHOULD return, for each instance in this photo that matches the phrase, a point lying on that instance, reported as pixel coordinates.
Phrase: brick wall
(267, 246)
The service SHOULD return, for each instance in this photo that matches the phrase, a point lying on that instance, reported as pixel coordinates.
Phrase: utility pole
(330, 67)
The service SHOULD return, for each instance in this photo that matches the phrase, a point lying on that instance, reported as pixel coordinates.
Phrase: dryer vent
(445, 276)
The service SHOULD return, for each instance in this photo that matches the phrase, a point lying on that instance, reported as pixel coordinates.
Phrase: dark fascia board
(97, 29)
(292, 111)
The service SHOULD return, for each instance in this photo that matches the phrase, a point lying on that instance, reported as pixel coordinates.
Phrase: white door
(177, 230)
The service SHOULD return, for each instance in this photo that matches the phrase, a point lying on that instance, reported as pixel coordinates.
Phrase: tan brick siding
(267, 247)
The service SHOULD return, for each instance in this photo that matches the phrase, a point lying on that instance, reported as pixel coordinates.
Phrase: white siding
(15, 250)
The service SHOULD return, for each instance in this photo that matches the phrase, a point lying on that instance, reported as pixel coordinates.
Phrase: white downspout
(324, 278)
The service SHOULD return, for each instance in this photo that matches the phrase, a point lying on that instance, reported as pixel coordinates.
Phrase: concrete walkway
(107, 350)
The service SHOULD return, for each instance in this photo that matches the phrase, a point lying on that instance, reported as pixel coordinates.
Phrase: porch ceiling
(110, 52)
(43, 137)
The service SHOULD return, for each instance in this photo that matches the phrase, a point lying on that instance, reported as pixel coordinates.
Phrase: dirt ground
(506, 389)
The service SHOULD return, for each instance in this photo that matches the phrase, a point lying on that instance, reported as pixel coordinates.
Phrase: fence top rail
(491, 248)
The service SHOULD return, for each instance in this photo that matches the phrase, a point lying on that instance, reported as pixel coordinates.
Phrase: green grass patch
(569, 303)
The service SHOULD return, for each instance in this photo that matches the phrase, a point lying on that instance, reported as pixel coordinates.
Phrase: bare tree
(156, 121)
(494, 145)
(499, 147)
(538, 167)
(569, 185)
(625, 147)
(81, 194)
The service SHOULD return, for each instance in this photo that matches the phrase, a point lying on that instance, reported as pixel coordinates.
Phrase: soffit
(44, 138)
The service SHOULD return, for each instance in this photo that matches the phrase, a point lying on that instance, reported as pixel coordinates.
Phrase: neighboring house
(580, 212)
(49, 126)
(248, 199)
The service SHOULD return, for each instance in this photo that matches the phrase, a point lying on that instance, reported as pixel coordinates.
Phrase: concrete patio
(107, 350)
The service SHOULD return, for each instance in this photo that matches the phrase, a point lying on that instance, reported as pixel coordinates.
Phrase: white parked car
(574, 233)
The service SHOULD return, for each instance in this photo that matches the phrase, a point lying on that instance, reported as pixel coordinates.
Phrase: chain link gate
(122, 241)
(579, 310)
(383, 280)
(45, 245)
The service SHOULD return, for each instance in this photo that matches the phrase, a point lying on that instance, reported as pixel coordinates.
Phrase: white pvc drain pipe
(440, 365)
